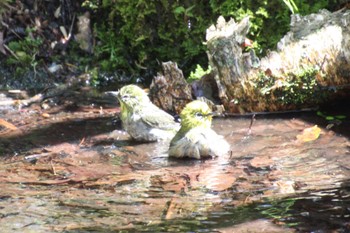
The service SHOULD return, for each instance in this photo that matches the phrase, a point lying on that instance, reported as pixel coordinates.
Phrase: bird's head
(196, 113)
(132, 96)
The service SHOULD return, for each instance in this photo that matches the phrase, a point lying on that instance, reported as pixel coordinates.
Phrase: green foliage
(134, 37)
(310, 6)
(331, 117)
(25, 52)
(291, 5)
(93, 77)
(3, 4)
(138, 35)
(90, 4)
(198, 73)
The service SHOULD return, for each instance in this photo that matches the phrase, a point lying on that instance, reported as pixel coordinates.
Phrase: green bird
(141, 119)
(196, 139)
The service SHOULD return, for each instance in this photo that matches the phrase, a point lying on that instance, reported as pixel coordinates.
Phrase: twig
(34, 157)
(171, 209)
(271, 113)
(7, 5)
(251, 124)
(13, 31)
(7, 125)
(35, 99)
(82, 141)
(71, 27)
(323, 62)
(9, 50)
(53, 168)
(246, 199)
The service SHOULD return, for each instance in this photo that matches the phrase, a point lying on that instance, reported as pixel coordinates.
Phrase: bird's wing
(159, 119)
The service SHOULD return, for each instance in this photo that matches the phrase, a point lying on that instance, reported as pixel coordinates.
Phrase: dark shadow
(339, 107)
(332, 109)
(72, 131)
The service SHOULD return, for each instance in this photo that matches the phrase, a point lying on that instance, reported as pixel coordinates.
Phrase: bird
(141, 119)
(196, 139)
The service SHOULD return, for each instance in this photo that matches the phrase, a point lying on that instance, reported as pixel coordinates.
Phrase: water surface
(74, 170)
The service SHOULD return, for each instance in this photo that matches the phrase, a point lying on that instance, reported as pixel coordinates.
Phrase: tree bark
(169, 89)
(311, 64)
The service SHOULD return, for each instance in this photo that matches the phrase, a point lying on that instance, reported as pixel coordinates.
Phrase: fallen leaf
(285, 187)
(261, 162)
(7, 125)
(45, 115)
(171, 209)
(309, 134)
(220, 181)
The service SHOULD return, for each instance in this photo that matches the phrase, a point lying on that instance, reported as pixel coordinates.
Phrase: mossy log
(311, 64)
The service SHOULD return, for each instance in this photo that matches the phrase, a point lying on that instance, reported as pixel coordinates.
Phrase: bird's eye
(198, 114)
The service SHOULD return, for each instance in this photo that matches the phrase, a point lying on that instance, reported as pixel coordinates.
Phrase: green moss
(294, 88)
(300, 87)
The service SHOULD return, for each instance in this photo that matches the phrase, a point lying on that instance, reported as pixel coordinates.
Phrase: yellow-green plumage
(141, 118)
(196, 139)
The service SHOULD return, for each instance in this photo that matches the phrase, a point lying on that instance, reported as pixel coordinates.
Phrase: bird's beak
(210, 114)
(112, 93)
(215, 114)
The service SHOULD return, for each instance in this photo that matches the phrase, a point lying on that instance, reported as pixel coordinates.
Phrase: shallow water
(73, 170)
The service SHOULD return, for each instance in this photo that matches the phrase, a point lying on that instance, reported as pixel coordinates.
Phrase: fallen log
(311, 65)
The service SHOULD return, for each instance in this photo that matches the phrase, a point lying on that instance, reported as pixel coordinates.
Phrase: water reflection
(326, 210)
(322, 211)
